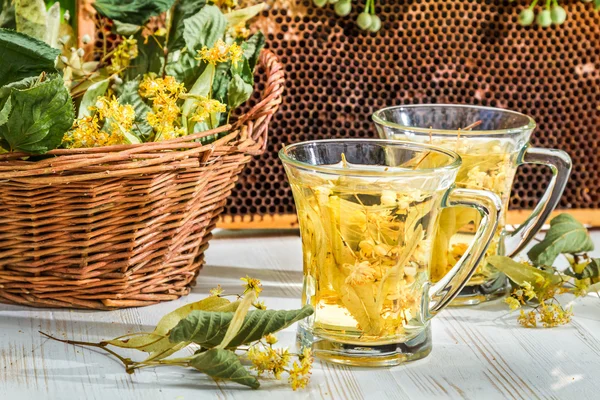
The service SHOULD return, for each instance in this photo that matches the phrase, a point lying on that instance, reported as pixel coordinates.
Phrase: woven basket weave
(122, 226)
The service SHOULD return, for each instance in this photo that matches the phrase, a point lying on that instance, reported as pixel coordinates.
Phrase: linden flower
(120, 116)
(221, 52)
(206, 107)
(239, 31)
(216, 291)
(123, 54)
(360, 273)
(529, 292)
(300, 372)
(252, 284)
(271, 339)
(528, 320)
(422, 253)
(259, 305)
(406, 199)
(165, 115)
(86, 133)
(513, 303)
(151, 87)
(554, 315)
(581, 287)
(269, 360)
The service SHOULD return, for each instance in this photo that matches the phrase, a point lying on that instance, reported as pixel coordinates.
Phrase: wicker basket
(122, 226)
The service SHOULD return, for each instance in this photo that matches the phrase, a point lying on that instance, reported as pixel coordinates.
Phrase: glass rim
(496, 132)
(454, 164)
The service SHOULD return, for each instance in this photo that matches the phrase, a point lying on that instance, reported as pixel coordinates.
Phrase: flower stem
(101, 345)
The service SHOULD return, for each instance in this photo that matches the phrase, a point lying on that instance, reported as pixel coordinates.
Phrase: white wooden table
(479, 352)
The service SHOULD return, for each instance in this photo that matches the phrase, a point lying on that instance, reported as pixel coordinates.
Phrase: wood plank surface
(479, 352)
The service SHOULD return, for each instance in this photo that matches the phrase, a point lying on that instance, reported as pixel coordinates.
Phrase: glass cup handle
(489, 206)
(559, 162)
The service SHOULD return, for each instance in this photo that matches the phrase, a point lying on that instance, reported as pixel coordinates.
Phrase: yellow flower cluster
(549, 312)
(165, 117)
(550, 315)
(216, 291)
(360, 274)
(205, 107)
(520, 296)
(266, 359)
(126, 51)
(87, 132)
(239, 31)
(300, 372)
(252, 284)
(221, 52)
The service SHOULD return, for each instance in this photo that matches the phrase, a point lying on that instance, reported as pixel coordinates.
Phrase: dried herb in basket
(181, 67)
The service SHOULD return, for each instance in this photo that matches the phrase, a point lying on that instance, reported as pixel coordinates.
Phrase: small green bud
(363, 20)
(343, 8)
(544, 18)
(526, 17)
(320, 3)
(558, 14)
(375, 23)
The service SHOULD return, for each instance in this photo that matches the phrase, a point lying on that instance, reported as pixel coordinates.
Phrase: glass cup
(368, 212)
(492, 143)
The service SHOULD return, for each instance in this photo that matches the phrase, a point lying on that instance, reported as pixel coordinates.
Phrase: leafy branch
(224, 333)
(538, 283)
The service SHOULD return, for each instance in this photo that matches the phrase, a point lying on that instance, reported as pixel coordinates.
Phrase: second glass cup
(492, 143)
(368, 212)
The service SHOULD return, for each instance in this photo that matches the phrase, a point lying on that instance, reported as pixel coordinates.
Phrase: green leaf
(149, 59)
(182, 10)
(243, 70)
(204, 28)
(238, 318)
(150, 342)
(31, 18)
(183, 66)
(208, 328)
(520, 273)
(239, 92)
(201, 87)
(252, 48)
(24, 83)
(566, 235)
(129, 94)
(243, 15)
(5, 111)
(125, 29)
(24, 56)
(590, 270)
(135, 12)
(221, 82)
(597, 4)
(90, 96)
(39, 117)
(224, 364)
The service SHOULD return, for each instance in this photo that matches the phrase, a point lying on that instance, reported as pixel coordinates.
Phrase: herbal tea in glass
(492, 144)
(368, 213)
